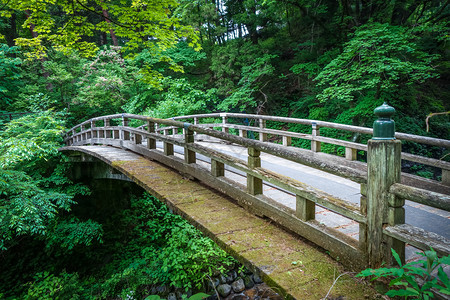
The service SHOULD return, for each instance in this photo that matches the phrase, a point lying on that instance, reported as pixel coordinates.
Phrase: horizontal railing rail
(350, 147)
(355, 252)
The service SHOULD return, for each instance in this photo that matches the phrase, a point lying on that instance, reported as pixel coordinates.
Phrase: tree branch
(432, 115)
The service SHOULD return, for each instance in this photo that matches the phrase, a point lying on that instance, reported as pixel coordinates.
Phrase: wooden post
(254, 185)
(287, 140)
(350, 153)
(224, 122)
(363, 227)
(107, 132)
(243, 133)
(217, 168)
(151, 143)
(315, 146)
(396, 216)
(137, 139)
(383, 170)
(195, 123)
(189, 155)
(93, 133)
(262, 136)
(168, 148)
(83, 135)
(305, 209)
(445, 177)
(125, 134)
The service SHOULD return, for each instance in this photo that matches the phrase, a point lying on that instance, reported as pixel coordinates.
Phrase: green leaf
(153, 297)
(402, 293)
(198, 296)
(397, 257)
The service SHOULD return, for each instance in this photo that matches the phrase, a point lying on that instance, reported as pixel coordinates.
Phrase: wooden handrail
(421, 196)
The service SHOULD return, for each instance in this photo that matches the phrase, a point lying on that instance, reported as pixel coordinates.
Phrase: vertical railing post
(107, 133)
(305, 209)
(125, 135)
(217, 168)
(315, 145)
(92, 130)
(262, 135)
(243, 133)
(195, 123)
(168, 147)
(287, 140)
(83, 135)
(383, 170)
(151, 142)
(363, 210)
(254, 184)
(350, 153)
(189, 155)
(445, 176)
(224, 122)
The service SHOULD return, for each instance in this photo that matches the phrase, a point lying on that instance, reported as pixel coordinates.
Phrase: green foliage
(29, 141)
(33, 187)
(65, 25)
(181, 98)
(9, 74)
(49, 286)
(71, 232)
(379, 58)
(406, 277)
(106, 84)
(164, 247)
(253, 80)
(197, 296)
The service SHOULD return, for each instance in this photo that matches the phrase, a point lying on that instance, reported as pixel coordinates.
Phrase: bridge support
(262, 135)
(305, 209)
(217, 168)
(151, 143)
(189, 155)
(315, 146)
(254, 184)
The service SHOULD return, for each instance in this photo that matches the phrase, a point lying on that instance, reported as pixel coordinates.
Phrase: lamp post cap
(384, 111)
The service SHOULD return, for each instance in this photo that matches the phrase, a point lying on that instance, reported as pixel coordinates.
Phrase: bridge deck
(256, 242)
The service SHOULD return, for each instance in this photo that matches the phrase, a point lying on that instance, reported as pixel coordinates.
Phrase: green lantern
(384, 127)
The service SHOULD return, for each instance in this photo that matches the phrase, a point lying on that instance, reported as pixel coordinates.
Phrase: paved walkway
(287, 263)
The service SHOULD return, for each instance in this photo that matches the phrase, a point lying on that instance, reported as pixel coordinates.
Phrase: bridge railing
(381, 223)
(317, 139)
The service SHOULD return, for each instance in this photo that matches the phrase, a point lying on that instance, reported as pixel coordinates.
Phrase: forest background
(70, 60)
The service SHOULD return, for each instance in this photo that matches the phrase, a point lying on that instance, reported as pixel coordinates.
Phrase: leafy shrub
(161, 248)
(415, 279)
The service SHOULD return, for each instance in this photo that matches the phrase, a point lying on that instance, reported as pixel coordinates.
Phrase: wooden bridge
(379, 214)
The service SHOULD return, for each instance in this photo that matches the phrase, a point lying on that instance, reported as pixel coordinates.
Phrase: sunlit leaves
(65, 24)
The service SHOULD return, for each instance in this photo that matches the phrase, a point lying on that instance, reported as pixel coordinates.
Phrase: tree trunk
(11, 34)
(33, 33)
(111, 31)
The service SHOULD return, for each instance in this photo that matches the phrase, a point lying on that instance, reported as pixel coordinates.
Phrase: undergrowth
(143, 246)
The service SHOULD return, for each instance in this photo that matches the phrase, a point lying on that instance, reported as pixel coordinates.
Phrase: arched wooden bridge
(243, 191)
